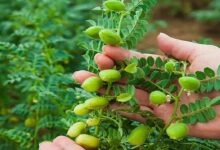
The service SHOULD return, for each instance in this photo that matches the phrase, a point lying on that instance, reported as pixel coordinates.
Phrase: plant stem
(108, 88)
(169, 122)
(176, 105)
(173, 116)
(213, 78)
(163, 70)
(120, 23)
(184, 68)
(165, 91)
(96, 130)
(113, 120)
(192, 113)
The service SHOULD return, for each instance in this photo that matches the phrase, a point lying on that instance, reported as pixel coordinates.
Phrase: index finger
(48, 146)
(66, 143)
(119, 54)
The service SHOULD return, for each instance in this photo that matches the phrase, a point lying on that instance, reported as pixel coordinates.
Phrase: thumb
(179, 49)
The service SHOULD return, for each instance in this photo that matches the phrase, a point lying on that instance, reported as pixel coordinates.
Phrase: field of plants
(43, 42)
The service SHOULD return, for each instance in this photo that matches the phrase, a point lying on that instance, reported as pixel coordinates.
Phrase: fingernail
(103, 47)
(74, 74)
(97, 56)
(42, 144)
(163, 34)
(106, 47)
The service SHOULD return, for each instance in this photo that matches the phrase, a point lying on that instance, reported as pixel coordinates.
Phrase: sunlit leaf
(131, 68)
(124, 97)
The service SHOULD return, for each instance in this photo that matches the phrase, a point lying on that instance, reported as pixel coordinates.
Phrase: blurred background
(192, 20)
(40, 49)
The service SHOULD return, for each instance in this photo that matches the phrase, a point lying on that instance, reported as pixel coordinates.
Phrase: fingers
(60, 143)
(140, 94)
(143, 98)
(132, 116)
(111, 54)
(49, 146)
(82, 75)
(179, 49)
(103, 61)
(163, 111)
(209, 130)
(120, 54)
(66, 143)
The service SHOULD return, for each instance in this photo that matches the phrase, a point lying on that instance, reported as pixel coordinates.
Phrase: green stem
(209, 79)
(133, 28)
(113, 120)
(192, 113)
(169, 122)
(184, 68)
(173, 116)
(96, 130)
(165, 91)
(163, 70)
(176, 106)
(180, 93)
(110, 98)
(120, 23)
(108, 88)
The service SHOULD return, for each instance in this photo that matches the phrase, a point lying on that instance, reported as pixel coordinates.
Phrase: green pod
(109, 37)
(157, 97)
(92, 84)
(170, 66)
(87, 141)
(189, 83)
(110, 75)
(76, 129)
(30, 122)
(139, 135)
(93, 31)
(96, 103)
(114, 5)
(92, 121)
(177, 131)
(81, 109)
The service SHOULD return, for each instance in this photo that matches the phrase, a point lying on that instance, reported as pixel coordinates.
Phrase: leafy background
(39, 50)
(38, 53)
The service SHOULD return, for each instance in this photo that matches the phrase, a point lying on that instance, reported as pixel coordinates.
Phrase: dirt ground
(185, 29)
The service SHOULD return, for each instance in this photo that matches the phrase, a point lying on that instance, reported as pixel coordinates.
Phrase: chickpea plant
(101, 125)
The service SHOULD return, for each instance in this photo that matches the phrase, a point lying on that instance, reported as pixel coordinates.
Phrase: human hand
(199, 57)
(60, 143)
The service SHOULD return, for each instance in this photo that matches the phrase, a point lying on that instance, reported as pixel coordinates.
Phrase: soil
(185, 29)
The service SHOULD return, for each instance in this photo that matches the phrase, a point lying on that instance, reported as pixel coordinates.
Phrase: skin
(60, 143)
(199, 56)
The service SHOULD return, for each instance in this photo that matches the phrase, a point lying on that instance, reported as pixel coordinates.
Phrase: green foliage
(209, 80)
(19, 136)
(212, 14)
(199, 111)
(181, 8)
(38, 53)
(38, 49)
(132, 25)
(158, 76)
